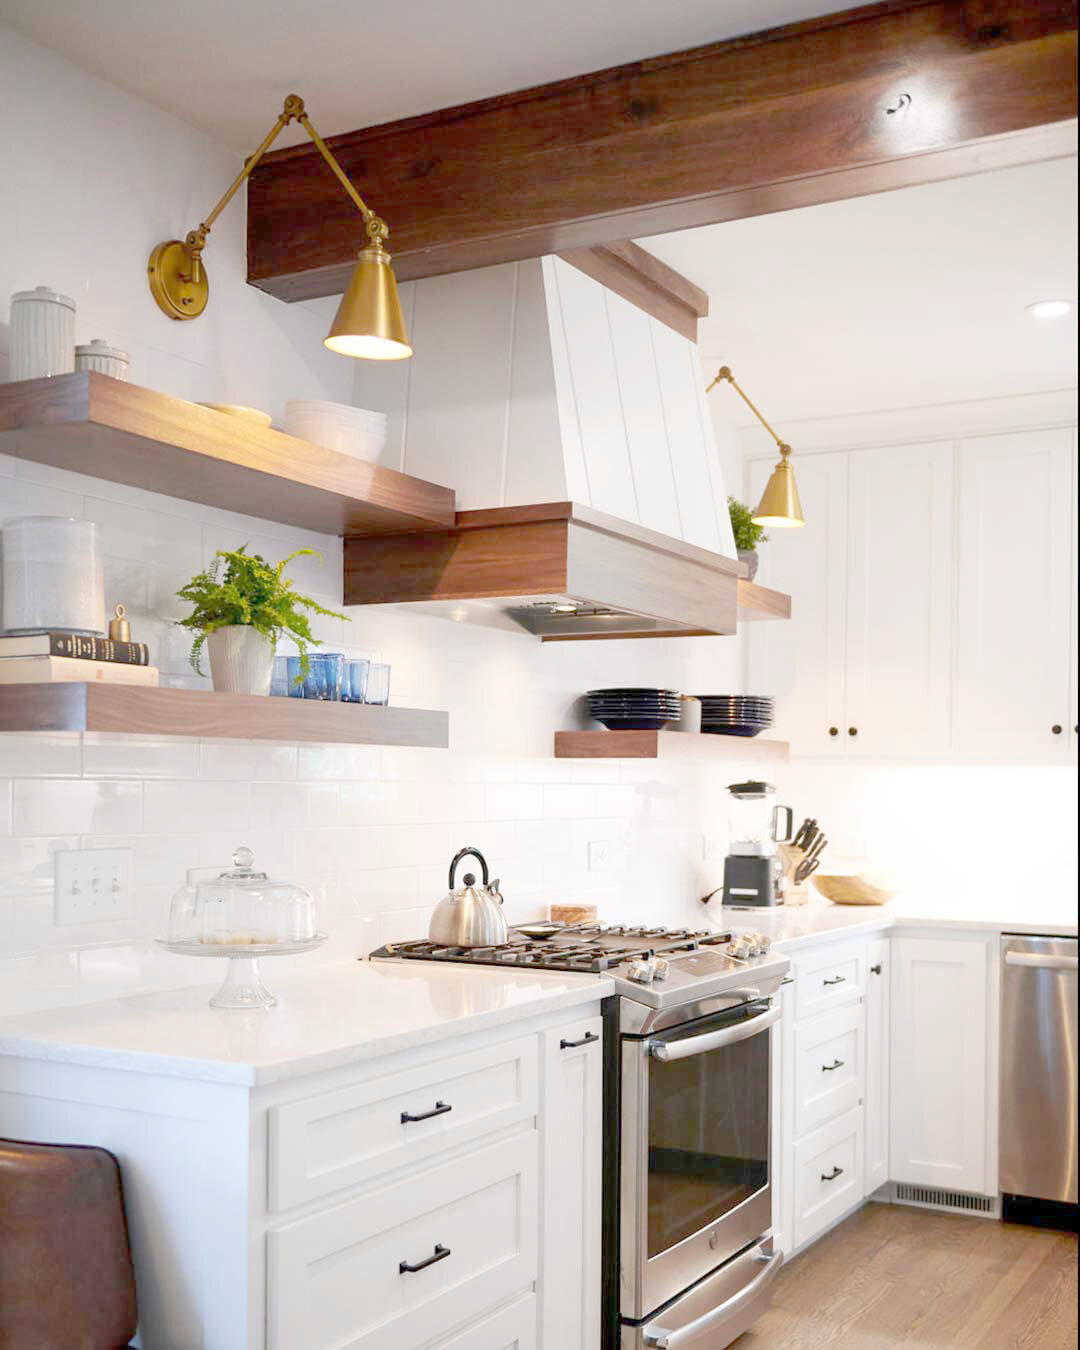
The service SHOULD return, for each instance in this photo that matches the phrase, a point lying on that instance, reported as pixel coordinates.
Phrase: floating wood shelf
(143, 711)
(758, 602)
(95, 425)
(665, 745)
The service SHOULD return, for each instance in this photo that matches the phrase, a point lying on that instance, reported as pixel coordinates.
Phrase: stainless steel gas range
(688, 1169)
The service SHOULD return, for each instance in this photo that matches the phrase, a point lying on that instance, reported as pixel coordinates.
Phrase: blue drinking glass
(324, 676)
(354, 682)
(295, 685)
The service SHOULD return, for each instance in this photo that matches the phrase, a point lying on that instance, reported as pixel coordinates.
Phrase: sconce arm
(724, 374)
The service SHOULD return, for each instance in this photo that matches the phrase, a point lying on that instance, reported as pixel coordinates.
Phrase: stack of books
(42, 658)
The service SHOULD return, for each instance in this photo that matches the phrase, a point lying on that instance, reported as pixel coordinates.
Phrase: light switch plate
(92, 885)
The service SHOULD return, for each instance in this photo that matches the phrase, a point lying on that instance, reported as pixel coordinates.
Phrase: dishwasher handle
(1040, 961)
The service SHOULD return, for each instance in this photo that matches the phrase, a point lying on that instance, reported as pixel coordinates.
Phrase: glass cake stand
(243, 986)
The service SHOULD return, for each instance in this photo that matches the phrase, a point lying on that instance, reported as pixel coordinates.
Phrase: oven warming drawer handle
(715, 1040)
(661, 1339)
(1040, 960)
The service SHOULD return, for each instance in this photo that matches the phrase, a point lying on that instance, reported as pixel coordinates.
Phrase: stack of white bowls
(337, 426)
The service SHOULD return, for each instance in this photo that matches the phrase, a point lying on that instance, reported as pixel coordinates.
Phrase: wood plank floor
(896, 1278)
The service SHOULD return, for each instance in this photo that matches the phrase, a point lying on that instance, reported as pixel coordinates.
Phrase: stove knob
(660, 968)
(764, 942)
(641, 972)
(740, 950)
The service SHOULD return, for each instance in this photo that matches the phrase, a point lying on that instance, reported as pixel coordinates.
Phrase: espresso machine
(753, 871)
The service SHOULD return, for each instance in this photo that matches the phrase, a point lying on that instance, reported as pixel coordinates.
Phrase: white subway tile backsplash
(42, 755)
(106, 755)
(80, 806)
(194, 806)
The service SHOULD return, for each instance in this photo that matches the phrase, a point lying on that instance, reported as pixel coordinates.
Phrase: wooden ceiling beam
(874, 98)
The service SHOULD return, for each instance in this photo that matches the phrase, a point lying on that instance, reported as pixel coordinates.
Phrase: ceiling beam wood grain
(874, 98)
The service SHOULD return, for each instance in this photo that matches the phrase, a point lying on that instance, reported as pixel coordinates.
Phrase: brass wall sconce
(779, 506)
(369, 322)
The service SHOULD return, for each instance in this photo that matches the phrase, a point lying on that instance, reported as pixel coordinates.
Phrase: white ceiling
(225, 65)
(903, 299)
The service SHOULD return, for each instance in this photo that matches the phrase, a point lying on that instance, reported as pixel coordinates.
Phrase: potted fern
(747, 534)
(243, 605)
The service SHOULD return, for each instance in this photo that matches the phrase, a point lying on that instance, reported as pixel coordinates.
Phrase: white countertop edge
(164, 1064)
(834, 923)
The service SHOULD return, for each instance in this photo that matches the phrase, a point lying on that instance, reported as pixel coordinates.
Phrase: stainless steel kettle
(470, 916)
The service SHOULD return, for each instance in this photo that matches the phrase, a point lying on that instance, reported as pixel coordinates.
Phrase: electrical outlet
(600, 855)
(92, 884)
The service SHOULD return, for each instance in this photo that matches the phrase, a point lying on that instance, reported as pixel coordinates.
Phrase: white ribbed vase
(42, 340)
(241, 660)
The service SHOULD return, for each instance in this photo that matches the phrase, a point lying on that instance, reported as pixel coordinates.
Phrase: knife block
(791, 857)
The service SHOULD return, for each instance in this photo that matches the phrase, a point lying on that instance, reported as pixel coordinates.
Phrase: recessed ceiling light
(1050, 309)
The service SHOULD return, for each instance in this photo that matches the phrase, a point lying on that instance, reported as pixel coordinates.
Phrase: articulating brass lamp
(369, 322)
(779, 506)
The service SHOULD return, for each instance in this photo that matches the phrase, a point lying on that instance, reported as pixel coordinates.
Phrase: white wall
(91, 179)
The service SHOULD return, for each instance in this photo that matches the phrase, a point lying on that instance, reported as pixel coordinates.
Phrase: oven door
(695, 1173)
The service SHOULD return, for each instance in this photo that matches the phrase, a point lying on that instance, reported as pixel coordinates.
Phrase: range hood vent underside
(559, 571)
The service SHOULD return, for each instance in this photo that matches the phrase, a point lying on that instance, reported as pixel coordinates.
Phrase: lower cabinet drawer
(828, 1175)
(828, 977)
(512, 1328)
(829, 1066)
(396, 1266)
(322, 1144)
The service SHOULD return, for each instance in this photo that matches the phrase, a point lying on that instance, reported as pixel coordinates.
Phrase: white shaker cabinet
(876, 1101)
(943, 1106)
(571, 1076)
(1016, 594)
(801, 662)
(863, 666)
(898, 645)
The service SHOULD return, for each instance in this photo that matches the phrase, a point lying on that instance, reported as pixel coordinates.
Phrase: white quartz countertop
(333, 1015)
(796, 926)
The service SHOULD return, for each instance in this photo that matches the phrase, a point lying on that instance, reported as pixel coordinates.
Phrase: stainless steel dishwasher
(1038, 1110)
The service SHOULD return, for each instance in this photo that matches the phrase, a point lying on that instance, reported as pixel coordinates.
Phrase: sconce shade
(369, 322)
(780, 507)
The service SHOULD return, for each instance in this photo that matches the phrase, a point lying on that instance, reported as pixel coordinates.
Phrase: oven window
(708, 1137)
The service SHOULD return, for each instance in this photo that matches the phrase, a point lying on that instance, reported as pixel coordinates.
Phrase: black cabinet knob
(875, 970)
(834, 731)
(1056, 728)
(853, 731)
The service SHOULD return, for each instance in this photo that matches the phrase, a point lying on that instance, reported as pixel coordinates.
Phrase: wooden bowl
(851, 890)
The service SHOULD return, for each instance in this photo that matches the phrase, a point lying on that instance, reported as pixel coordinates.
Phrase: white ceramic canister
(42, 338)
(98, 355)
(53, 576)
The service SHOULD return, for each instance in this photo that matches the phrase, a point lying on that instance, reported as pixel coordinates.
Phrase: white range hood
(533, 385)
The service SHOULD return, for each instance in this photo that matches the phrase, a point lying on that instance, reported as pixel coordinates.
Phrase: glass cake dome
(241, 908)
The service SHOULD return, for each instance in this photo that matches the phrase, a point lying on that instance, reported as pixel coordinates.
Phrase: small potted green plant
(243, 605)
(747, 535)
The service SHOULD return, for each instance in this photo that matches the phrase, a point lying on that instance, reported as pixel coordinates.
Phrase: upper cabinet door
(899, 610)
(801, 661)
(1016, 594)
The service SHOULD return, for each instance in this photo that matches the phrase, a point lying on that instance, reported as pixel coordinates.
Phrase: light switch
(92, 885)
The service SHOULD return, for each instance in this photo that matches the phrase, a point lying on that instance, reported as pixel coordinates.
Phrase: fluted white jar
(42, 339)
(53, 576)
(241, 659)
(98, 355)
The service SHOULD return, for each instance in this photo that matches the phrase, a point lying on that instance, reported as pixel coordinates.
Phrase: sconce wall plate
(172, 283)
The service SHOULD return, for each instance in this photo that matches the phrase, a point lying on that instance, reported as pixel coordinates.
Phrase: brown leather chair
(66, 1280)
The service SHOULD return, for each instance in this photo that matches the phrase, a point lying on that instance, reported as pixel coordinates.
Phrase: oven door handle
(715, 1040)
(657, 1338)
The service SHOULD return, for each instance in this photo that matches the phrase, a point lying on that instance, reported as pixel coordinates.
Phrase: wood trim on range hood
(624, 581)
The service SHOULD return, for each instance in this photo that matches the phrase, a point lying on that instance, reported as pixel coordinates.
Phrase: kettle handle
(468, 853)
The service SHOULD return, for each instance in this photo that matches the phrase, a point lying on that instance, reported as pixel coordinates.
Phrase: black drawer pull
(439, 1109)
(836, 1172)
(439, 1254)
(787, 980)
(836, 1064)
(587, 1039)
(875, 970)
(837, 979)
